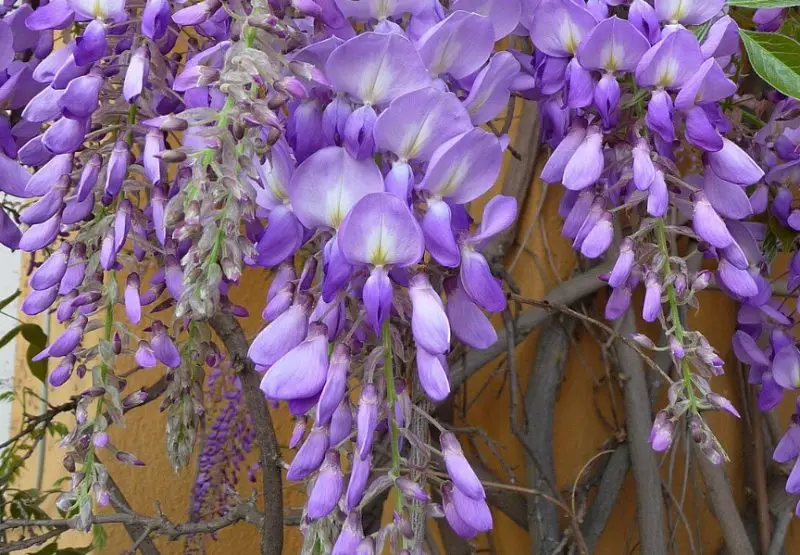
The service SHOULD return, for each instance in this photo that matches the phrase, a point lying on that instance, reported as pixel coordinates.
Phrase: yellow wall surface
(589, 416)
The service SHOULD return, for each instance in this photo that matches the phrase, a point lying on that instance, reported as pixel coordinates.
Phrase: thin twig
(17, 546)
(723, 505)
(232, 335)
(139, 534)
(552, 348)
(610, 485)
(567, 293)
(622, 337)
(760, 479)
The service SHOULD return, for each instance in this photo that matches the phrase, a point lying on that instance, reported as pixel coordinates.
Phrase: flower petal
(479, 283)
(733, 164)
(458, 45)
(439, 239)
(301, 372)
(415, 124)
(491, 89)
(558, 27)
(281, 335)
(380, 230)
(504, 14)
(671, 62)
(432, 375)
(465, 167)
(613, 45)
(326, 186)
(729, 199)
(376, 68)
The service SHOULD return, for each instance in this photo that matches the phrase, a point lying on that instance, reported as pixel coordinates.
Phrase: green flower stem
(672, 300)
(391, 397)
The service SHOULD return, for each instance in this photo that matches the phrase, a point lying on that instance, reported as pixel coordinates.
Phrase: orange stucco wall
(579, 431)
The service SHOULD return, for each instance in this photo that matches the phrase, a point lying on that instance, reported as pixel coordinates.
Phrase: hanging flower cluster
(168, 146)
(641, 114)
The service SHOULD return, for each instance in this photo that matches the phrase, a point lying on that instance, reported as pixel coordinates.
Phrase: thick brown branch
(650, 505)
(231, 334)
(779, 535)
(552, 349)
(137, 532)
(723, 505)
(607, 493)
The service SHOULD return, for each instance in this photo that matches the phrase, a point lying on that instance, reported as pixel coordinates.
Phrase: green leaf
(756, 4)
(10, 299)
(783, 236)
(769, 246)
(10, 334)
(75, 550)
(99, 537)
(47, 550)
(37, 340)
(776, 59)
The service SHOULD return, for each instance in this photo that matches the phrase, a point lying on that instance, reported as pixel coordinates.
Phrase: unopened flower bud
(81, 413)
(134, 399)
(643, 340)
(681, 284)
(661, 433)
(69, 462)
(409, 488)
(62, 372)
(676, 347)
(701, 280)
(367, 418)
(273, 135)
(65, 501)
(310, 455)
(351, 535)
(171, 156)
(696, 430)
(403, 523)
(128, 458)
(291, 86)
(327, 489)
(100, 440)
(297, 432)
(459, 469)
(722, 403)
(95, 391)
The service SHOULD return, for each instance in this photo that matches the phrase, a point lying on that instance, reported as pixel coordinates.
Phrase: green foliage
(776, 59)
(10, 299)
(757, 4)
(52, 549)
(37, 340)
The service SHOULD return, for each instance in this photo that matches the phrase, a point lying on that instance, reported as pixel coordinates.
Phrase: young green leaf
(757, 4)
(9, 335)
(776, 59)
(10, 299)
(37, 340)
